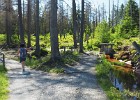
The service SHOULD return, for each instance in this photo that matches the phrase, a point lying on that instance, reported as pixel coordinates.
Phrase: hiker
(22, 53)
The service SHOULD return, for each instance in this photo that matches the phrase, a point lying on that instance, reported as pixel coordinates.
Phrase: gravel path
(78, 83)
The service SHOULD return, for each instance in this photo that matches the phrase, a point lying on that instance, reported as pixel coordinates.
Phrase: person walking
(22, 53)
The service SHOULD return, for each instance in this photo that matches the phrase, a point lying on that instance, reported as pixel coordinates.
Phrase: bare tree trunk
(103, 11)
(96, 19)
(74, 24)
(109, 13)
(29, 23)
(37, 51)
(139, 17)
(55, 55)
(23, 5)
(117, 12)
(82, 29)
(113, 14)
(20, 22)
(8, 21)
(99, 14)
(62, 19)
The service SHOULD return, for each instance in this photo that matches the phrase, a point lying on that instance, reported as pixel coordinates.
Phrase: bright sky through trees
(96, 3)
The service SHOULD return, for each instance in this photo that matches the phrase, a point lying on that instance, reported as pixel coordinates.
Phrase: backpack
(22, 52)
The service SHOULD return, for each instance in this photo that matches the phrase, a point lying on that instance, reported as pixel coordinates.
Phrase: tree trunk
(74, 24)
(117, 12)
(139, 17)
(29, 23)
(55, 55)
(20, 22)
(37, 51)
(109, 13)
(99, 14)
(8, 21)
(23, 14)
(112, 23)
(82, 29)
(96, 21)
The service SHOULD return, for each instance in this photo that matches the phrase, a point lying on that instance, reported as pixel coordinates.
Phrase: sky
(96, 3)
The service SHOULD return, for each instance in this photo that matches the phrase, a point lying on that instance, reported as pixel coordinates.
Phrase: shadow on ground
(77, 83)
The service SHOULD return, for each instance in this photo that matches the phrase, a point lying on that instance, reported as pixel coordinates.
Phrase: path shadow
(72, 78)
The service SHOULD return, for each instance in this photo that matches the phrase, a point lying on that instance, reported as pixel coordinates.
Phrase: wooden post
(3, 60)
(64, 49)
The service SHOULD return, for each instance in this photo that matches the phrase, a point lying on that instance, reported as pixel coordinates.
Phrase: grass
(118, 63)
(103, 70)
(70, 57)
(3, 84)
(46, 65)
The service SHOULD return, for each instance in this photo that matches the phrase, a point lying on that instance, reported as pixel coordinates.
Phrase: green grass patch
(45, 64)
(3, 84)
(57, 70)
(2, 39)
(118, 63)
(31, 62)
(70, 57)
(103, 68)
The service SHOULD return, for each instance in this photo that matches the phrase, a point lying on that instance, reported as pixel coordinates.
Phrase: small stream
(126, 81)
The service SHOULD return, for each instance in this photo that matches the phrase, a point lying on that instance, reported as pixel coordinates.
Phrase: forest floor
(77, 83)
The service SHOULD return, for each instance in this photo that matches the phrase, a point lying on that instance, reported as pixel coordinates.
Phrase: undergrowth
(3, 84)
(45, 64)
(103, 69)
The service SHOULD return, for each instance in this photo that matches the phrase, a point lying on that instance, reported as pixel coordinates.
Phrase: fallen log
(137, 46)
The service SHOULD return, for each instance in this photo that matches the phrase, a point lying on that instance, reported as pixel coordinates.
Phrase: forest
(58, 32)
(85, 26)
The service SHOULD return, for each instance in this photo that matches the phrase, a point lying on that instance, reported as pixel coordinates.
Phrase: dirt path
(79, 83)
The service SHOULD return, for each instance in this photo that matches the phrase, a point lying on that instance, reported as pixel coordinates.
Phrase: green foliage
(115, 94)
(54, 67)
(70, 57)
(132, 10)
(3, 84)
(87, 33)
(33, 62)
(103, 68)
(2, 39)
(101, 33)
(128, 26)
(46, 39)
(127, 29)
(89, 46)
(15, 39)
(118, 63)
(56, 70)
(46, 65)
(132, 94)
(66, 41)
